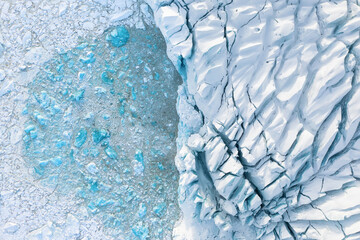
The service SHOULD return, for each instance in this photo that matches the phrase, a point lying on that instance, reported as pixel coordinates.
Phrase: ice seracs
(274, 85)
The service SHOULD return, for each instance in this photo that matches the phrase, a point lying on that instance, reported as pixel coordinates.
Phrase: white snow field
(268, 138)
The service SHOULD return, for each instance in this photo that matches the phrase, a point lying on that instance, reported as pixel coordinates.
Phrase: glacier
(268, 134)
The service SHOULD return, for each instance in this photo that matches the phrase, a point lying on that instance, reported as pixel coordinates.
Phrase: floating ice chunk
(118, 37)
(142, 210)
(138, 168)
(106, 79)
(110, 152)
(40, 118)
(138, 165)
(80, 138)
(99, 134)
(160, 209)
(140, 231)
(91, 168)
(99, 91)
(81, 76)
(78, 95)
(57, 161)
(139, 156)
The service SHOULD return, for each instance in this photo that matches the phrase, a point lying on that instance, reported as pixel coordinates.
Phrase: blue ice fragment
(140, 231)
(80, 138)
(59, 68)
(123, 58)
(71, 63)
(106, 116)
(121, 75)
(33, 134)
(81, 193)
(106, 79)
(160, 166)
(85, 152)
(29, 128)
(101, 202)
(133, 111)
(100, 91)
(129, 84)
(159, 209)
(118, 37)
(57, 161)
(94, 186)
(94, 152)
(26, 138)
(39, 171)
(82, 46)
(142, 210)
(78, 95)
(91, 168)
(25, 111)
(92, 207)
(88, 59)
(139, 156)
(121, 110)
(110, 152)
(156, 153)
(157, 76)
(81, 76)
(43, 163)
(60, 143)
(117, 223)
(138, 168)
(130, 195)
(105, 143)
(133, 93)
(147, 69)
(41, 119)
(99, 134)
(89, 116)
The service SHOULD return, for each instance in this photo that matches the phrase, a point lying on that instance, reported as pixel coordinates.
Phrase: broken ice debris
(118, 37)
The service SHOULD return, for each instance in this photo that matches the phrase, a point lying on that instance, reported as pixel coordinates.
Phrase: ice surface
(101, 126)
(269, 134)
(268, 137)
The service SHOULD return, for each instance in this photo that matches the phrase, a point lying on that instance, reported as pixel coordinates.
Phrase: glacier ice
(269, 130)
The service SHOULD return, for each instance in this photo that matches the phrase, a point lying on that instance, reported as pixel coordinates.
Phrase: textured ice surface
(268, 138)
(269, 133)
(102, 126)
